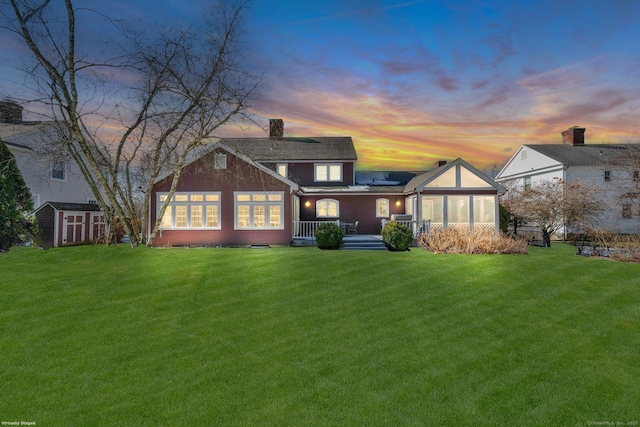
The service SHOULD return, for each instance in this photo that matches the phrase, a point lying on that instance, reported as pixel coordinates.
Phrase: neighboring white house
(55, 181)
(49, 177)
(605, 167)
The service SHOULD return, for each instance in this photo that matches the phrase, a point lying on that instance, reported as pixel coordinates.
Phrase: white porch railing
(416, 226)
(307, 229)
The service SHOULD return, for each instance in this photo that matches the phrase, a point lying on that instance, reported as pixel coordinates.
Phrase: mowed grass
(298, 336)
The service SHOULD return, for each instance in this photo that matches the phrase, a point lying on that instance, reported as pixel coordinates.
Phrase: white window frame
(386, 208)
(220, 161)
(189, 203)
(327, 201)
(254, 205)
(282, 169)
(326, 168)
(64, 170)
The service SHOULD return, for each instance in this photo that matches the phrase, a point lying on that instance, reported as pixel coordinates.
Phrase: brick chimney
(10, 112)
(276, 128)
(574, 136)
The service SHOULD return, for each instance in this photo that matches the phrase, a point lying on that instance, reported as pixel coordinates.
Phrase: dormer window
(326, 172)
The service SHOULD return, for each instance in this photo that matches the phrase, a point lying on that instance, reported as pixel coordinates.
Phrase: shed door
(98, 227)
(74, 226)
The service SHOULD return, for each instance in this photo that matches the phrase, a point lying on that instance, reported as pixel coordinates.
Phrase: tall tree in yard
(554, 204)
(15, 201)
(172, 91)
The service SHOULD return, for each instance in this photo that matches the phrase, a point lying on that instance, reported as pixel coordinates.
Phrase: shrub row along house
(65, 207)
(275, 190)
(613, 170)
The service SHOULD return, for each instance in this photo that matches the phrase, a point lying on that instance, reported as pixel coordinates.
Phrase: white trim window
(190, 211)
(282, 169)
(259, 210)
(58, 171)
(327, 208)
(328, 172)
(382, 208)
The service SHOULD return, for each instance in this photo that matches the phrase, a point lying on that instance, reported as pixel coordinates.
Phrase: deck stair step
(370, 244)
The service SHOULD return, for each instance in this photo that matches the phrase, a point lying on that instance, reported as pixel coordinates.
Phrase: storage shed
(63, 224)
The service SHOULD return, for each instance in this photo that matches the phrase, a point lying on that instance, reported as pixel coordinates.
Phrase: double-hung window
(328, 172)
(190, 211)
(259, 210)
(58, 170)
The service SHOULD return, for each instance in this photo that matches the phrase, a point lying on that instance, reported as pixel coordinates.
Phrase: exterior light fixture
(307, 203)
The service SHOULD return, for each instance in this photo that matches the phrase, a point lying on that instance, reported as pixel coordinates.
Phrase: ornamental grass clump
(396, 236)
(465, 240)
(329, 236)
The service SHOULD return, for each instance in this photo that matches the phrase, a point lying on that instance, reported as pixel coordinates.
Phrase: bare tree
(179, 87)
(554, 204)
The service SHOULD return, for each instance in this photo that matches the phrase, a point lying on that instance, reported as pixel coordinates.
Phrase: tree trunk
(546, 238)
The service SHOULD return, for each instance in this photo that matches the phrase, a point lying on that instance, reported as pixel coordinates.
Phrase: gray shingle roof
(584, 155)
(291, 149)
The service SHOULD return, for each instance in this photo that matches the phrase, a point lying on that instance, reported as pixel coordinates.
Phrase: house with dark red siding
(276, 190)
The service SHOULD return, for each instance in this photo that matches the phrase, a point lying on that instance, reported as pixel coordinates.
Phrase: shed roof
(79, 207)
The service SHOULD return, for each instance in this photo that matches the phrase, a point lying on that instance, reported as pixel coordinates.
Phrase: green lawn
(97, 335)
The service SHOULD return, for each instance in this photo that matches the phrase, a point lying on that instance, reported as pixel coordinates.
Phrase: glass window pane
(321, 173)
(458, 210)
(322, 208)
(163, 198)
(433, 208)
(243, 216)
(196, 216)
(166, 219)
(275, 197)
(196, 198)
(243, 197)
(181, 216)
(274, 216)
(447, 179)
(333, 208)
(335, 173)
(484, 209)
(382, 208)
(259, 197)
(212, 198)
(470, 179)
(212, 216)
(181, 198)
(259, 213)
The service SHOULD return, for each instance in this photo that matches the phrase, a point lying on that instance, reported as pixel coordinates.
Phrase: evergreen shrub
(396, 236)
(329, 235)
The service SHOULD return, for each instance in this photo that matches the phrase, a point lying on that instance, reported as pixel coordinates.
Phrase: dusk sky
(418, 81)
